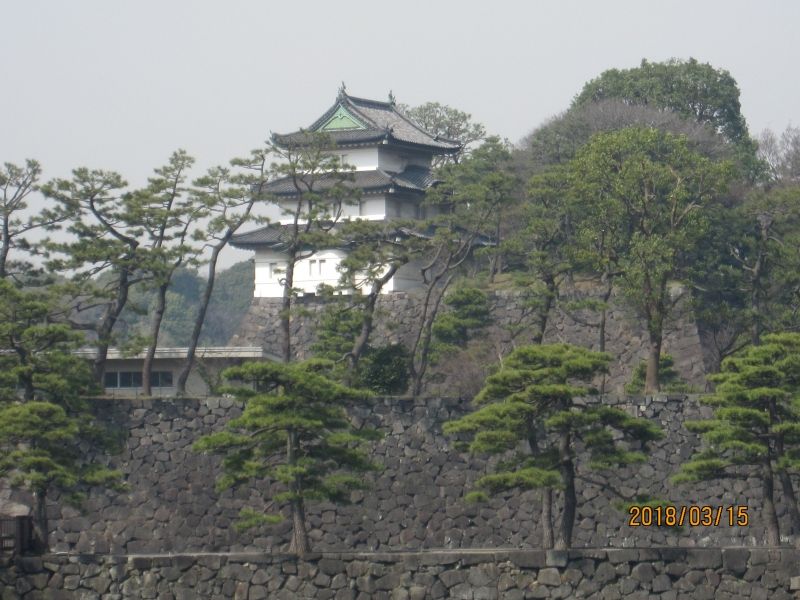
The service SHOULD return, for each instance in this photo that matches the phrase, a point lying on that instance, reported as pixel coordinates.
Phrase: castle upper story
(390, 159)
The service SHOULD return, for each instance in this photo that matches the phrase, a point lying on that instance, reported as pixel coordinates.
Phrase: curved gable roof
(359, 121)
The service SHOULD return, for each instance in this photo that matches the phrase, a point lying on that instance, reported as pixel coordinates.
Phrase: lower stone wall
(415, 502)
(644, 574)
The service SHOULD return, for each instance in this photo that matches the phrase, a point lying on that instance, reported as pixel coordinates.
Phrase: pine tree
(294, 432)
(45, 421)
(755, 431)
(527, 412)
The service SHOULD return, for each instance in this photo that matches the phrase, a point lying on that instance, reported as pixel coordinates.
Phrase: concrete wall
(651, 574)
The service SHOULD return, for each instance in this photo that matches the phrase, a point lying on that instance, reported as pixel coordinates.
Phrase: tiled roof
(382, 120)
(414, 179)
(276, 235)
(270, 235)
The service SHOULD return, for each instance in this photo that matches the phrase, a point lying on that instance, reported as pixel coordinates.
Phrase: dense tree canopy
(47, 431)
(294, 431)
(528, 412)
(755, 430)
(650, 195)
(690, 88)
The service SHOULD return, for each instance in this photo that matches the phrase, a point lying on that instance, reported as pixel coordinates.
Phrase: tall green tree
(106, 240)
(46, 426)
(755, 430)
(695, 90)
(227, 196)
(538, 247)
(319, 180)
(449, 123)
(653, 193)
(767, 255)
(528, 413)
(16, 220)
(463, 209)
(376, 252)
(166, 212)
(294, 432)
(688, 87)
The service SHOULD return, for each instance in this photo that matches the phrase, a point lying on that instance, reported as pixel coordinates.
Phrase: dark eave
(275, 236)
(413, 179)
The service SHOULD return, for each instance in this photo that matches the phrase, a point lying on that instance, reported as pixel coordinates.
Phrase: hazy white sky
(121, 84)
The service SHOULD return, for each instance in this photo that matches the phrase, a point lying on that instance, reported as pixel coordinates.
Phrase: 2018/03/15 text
(694, 516)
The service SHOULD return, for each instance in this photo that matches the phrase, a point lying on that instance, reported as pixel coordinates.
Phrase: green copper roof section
(342, 119)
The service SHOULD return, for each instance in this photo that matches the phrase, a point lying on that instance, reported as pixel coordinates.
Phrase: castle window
(133, 379)
(273, 270)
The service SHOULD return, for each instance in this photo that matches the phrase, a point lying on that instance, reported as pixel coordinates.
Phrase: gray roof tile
(384, 121)
(414, 179)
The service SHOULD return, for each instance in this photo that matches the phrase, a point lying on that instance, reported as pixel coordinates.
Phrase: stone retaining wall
(416, 501)
(399, 316)
(646, 574)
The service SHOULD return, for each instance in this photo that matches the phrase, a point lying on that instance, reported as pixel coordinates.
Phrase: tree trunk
(547, 518)
(360, 343)
(768, 502)
(431, 309)
(5, 247)
(601, 345)
(25, 375)
(755, 309)
(107, 324)
(784, 477)
(544, 311)
(286, 309)
(155, 328)
(495, 265)
(651, 383)
(41, 526)
(765, 222)
(791, 501)
(567, 469)
(183, 377)
(299, 542)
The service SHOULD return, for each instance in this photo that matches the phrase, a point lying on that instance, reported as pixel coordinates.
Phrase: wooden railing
(16, 535)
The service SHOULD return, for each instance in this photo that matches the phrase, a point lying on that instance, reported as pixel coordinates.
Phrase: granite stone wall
(646, 574)
(399, 316)
(415, 502)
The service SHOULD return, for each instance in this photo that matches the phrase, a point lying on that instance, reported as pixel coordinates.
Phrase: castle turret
(391, 157)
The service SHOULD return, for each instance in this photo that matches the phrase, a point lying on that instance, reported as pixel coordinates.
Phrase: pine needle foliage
(755, 430)
(527, 412)
(294, 432)
(46, 425)
(668, 378)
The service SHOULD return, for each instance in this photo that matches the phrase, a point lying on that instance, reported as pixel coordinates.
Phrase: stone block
(643, 572)
(704, 558)
(557, 558)
(331, 567)
(452, 577)
(530, 559)
(549, 576)
(735, 560)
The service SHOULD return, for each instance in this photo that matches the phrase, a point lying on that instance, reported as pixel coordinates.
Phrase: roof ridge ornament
(342, 91)
(392, 100)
